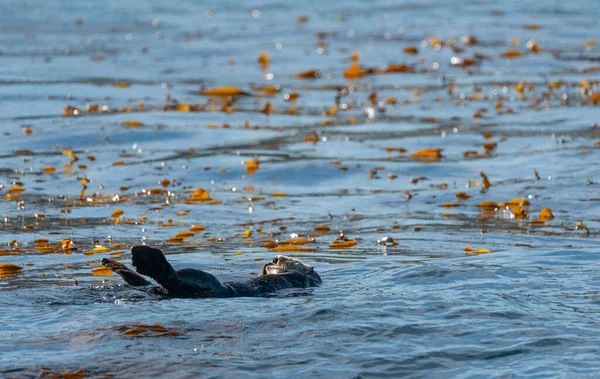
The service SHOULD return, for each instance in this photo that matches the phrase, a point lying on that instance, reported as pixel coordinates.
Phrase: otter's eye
(275, 260)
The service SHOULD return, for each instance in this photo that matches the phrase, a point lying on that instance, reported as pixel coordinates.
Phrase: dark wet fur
(190, 282)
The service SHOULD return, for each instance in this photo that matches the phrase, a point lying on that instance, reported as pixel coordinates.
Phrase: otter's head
(282, 264)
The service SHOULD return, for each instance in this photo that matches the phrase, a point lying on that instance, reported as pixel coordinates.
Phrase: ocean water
(107, 130)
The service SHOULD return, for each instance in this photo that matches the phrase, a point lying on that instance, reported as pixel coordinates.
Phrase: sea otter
(283, 272)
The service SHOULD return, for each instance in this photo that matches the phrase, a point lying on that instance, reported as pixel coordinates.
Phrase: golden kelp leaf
(486, 181)
(224, 91)
(122, 84)
(313, 137)
(462, 195)
(252, 166)
(332, 110)
(428, 154)
(269, 244)
(292, 248)
(400, 67)
(292, 96)
(490, 146)
(308, 74)
(278, 194)
(468, 248)
(71, 111)
(487, 205)
(450, 205)
(433, 41)
(518, 201)
(343, 244)
(589, 42)
(511, 54)
(468, 61)
(295, 241)
(49, 170)
(45, 249)
(136, 330)
(183, 213)
(156, 191)
(132, 124)
(247, 233)
(533, 46)
(7, 252)
(520, 88)
(158, 328)
(518, 211)
(200, 195)
(482, 251)
(183, 107)
(354, 71)
(27, 130)
(118, 163)
(16, 189)
(322, 228)
(263, 60)
(41, 242)
(557, 84)
(184, 234)
(271, 89)
(546, 214)
(117, 213)
(97, 249)
(410, 50)
(532, 26)
(9, 268)
(197, 228)
(268, 108)
(79, 374)
(66, 244)
(174, 240)
(595, 97)
(585, 84)
(101, 271)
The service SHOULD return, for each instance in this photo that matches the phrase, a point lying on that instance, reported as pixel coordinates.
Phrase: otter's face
(282, 264)
(291, 264)
(271, 269)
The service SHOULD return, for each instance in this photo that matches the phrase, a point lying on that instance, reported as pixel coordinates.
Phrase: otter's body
(284, 272)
